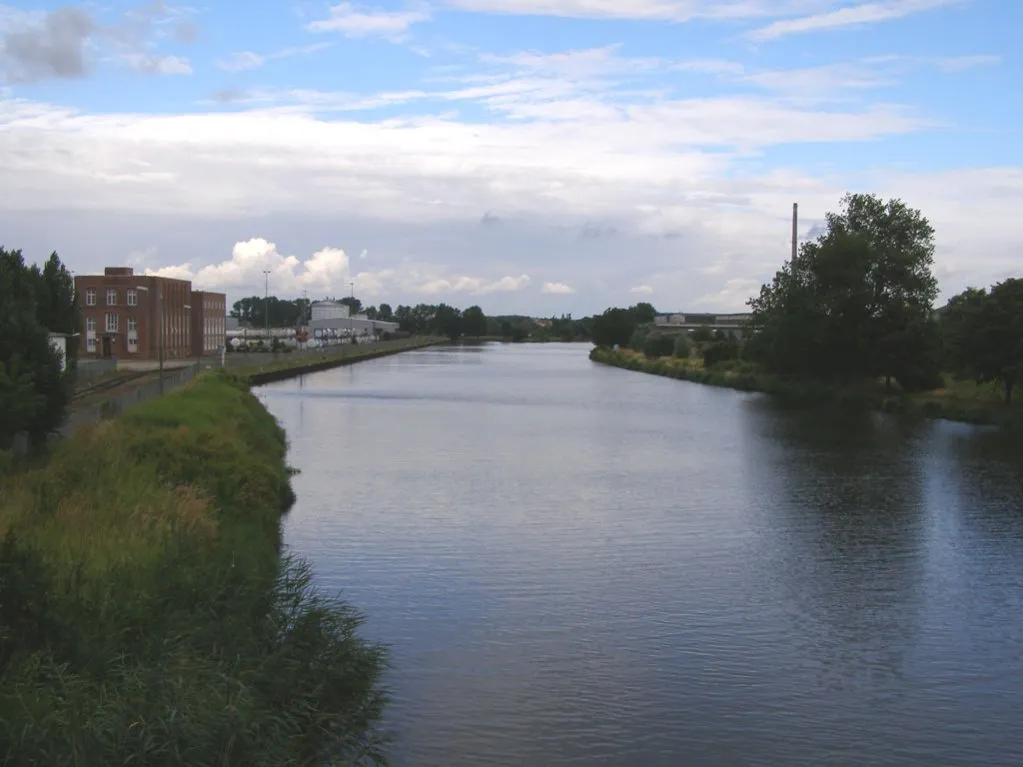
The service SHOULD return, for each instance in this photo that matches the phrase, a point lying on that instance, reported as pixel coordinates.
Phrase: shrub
(720, 351)
(658, 345)
(638, 339)
(682, 346)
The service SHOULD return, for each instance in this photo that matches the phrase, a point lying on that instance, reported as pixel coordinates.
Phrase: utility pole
(266, 303)
(351, 311)
(795, 240)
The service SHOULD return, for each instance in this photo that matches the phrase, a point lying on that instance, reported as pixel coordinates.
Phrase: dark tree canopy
(474, 322)
(858, 300)
(985, 333)
(614, 327)
(34, 391)
(643, 312)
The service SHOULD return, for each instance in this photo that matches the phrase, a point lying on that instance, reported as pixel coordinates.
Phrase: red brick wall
(128, 313)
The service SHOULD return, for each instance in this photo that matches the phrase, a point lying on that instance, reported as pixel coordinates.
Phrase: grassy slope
(145, 613)
(341, 355)
(961, 401)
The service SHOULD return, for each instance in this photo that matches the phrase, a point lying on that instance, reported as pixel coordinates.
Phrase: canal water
(580, 565)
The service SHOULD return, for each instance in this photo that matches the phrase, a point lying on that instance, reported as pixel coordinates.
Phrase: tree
(644, 313)
(354, 304)
(703, 334)
(985, 334)
(857, 301)
(614, 327)
(384, 313)
(658, 345)
(34, 391)
(682, 346)
(474, 322)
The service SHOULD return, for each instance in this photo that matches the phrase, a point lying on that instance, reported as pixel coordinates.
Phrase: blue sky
(529, 155)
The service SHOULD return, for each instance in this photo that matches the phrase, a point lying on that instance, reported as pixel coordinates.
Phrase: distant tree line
(34, 391)
(858, 304)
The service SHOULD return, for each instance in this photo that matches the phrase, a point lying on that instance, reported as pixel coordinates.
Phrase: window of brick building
(111, 323)
(90, 296)
(111, 297)
(133, 297)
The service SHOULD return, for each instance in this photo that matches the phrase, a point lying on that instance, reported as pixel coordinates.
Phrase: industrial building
(330, 320)
(141, 317)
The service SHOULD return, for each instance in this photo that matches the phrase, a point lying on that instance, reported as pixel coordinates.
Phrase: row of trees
(34, 390)
(441, 320)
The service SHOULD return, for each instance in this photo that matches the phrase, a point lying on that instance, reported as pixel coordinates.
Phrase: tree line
(34, 390)
(858, 303)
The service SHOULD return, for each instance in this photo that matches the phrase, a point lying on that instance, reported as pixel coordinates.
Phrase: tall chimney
(795, 236)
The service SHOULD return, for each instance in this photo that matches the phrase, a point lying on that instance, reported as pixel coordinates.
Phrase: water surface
(576, 564)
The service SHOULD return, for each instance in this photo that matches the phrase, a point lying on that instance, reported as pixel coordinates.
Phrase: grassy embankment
(146, 613)
(960, 401)
(290, 365)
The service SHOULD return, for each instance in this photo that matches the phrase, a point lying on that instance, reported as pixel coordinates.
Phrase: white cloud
(247, 60)
(152, 64)
(557, 288)
(854, 15)
(354, 21)
(241, 61)
(643, 10)
(643, 290)
(327, 272)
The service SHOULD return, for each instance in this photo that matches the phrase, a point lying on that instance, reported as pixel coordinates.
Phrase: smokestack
(795, 236)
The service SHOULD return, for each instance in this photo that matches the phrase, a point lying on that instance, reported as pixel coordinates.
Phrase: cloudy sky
(541, 156)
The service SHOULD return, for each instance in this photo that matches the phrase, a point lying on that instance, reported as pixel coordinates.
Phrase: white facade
(329, 310)
(58, 342)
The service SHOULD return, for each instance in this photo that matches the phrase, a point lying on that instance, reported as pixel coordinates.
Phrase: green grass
(146, 615)
(342, 355)
(960, 401)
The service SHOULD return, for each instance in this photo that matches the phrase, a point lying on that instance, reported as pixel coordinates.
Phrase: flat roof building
(133, 316)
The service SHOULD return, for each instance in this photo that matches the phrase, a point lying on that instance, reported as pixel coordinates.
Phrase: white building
(328, 310)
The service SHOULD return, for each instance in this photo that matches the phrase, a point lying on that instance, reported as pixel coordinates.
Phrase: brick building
(209, 322)
(122, 315)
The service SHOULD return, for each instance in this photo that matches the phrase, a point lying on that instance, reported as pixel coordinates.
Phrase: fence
(117, 404)
(86, 369)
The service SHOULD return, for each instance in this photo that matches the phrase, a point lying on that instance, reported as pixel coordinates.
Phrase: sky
(530, 156)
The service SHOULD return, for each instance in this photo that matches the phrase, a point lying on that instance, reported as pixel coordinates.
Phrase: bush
(637, 341)
(720, 351)
(147, 615)
(682, 346)
(658, 345)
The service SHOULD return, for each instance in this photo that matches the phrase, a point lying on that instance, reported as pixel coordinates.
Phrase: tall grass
(960, 401)
(146, 614)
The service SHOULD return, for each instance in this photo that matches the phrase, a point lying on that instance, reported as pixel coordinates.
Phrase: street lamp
(159, 313)
(351, 313)
(266, 303)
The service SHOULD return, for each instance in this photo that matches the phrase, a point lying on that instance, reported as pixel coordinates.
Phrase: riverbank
(961, 401)
(284, 366)
(147, 613)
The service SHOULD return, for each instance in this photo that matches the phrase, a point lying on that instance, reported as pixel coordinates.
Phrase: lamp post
(266, 303)
(351, 313)
(159, 324)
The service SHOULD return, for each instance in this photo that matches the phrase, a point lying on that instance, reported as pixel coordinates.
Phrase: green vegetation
(34, 391)
(334, 356)
(146, 615)
(852, 321)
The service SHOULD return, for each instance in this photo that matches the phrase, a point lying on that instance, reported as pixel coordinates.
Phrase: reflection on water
(576, 564)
